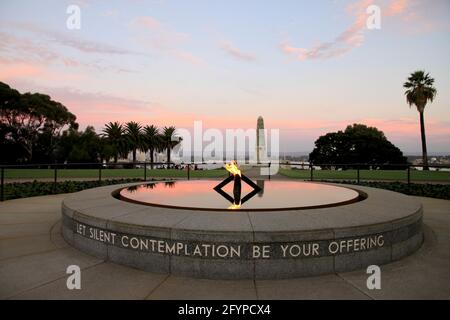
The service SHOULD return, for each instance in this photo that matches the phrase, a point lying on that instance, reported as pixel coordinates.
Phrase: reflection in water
(236, 201)
(169, 184)
(132, 189)
(271, 194)
(260, 184)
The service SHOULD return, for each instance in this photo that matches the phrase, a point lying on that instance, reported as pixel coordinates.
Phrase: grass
(394, 175)
(387, 175)
(28, 174)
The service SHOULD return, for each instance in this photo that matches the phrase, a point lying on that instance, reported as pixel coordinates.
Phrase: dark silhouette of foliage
(419, 91)
(27, 120)
(358, 144)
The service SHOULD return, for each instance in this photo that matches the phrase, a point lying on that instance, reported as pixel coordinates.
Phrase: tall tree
(24, 117)
(106, 150)
(79, 146)
(115, 135)
(419, 91)
(357, 144)
(133, 131)
(170, 140)
(153, 141)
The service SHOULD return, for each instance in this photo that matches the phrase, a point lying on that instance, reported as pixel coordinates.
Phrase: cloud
(230, 49)
(396, 7)
(72, 41)
(350, 38)
(15, 47)
(68, 62)
(19, 70)
(24, 51)
(189, 58)
(147, 22)
(395, 128)
(419, 16)
(110, 103)
(22, 57)
(16, 70)
(404, 132)
(154, 34)
(97, 108)
(408, 10)
(161, 39)
(110, 14)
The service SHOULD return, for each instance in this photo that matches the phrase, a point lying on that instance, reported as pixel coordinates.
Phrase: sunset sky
(307, 67)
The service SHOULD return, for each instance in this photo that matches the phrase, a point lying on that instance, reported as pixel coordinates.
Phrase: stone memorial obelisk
(260, 141)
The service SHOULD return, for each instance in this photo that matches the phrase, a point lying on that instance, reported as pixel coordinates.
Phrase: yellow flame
(234, 206)
(232, 168)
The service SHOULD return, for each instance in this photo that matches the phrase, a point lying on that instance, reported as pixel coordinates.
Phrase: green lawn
(400, 175)
(18, 174)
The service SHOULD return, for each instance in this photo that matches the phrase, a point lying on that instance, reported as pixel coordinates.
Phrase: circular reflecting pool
(270, 195)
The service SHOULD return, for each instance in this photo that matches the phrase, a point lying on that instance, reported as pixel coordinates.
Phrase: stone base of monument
(384, 227)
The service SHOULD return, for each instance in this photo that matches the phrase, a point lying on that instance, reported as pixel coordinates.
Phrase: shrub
(39, 188)
(439, 191)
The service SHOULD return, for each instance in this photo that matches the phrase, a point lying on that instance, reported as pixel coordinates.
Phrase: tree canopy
(420, 90)
(24, 118)
(36, 129)
(357, 144)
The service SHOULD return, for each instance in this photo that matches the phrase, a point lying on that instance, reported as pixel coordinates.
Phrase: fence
(402, 174)
(307, 171)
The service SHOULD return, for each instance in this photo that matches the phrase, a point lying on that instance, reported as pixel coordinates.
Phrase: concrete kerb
(400, 226)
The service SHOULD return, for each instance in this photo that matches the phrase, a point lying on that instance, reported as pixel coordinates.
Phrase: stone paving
(34, 258)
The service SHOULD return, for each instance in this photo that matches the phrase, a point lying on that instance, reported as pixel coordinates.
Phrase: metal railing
(56, 167)
(372, 167)
(192, 166)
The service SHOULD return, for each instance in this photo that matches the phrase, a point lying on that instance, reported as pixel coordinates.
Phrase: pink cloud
(156, 35)
(409, 11)
(16, 47)
(397, 7)
(350, 38)
(419, 17)
(99, 108)
(70, 62)
(230, 49)
(147, 22)
(69, 40)
(404, 133)
(13, 70)
(110, 13)
(19, 70)
(24, 50)
(160, 38)
(189, 57)
(399, 129)
(301, 133)
(395, 128)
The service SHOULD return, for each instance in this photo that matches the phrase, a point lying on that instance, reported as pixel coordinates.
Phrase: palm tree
(169, 141)
(419, 91)
(133, 132)
(152, 140)
(115, 135)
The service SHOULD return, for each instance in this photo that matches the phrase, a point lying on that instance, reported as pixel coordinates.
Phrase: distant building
(260, 141)
(140, 156)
